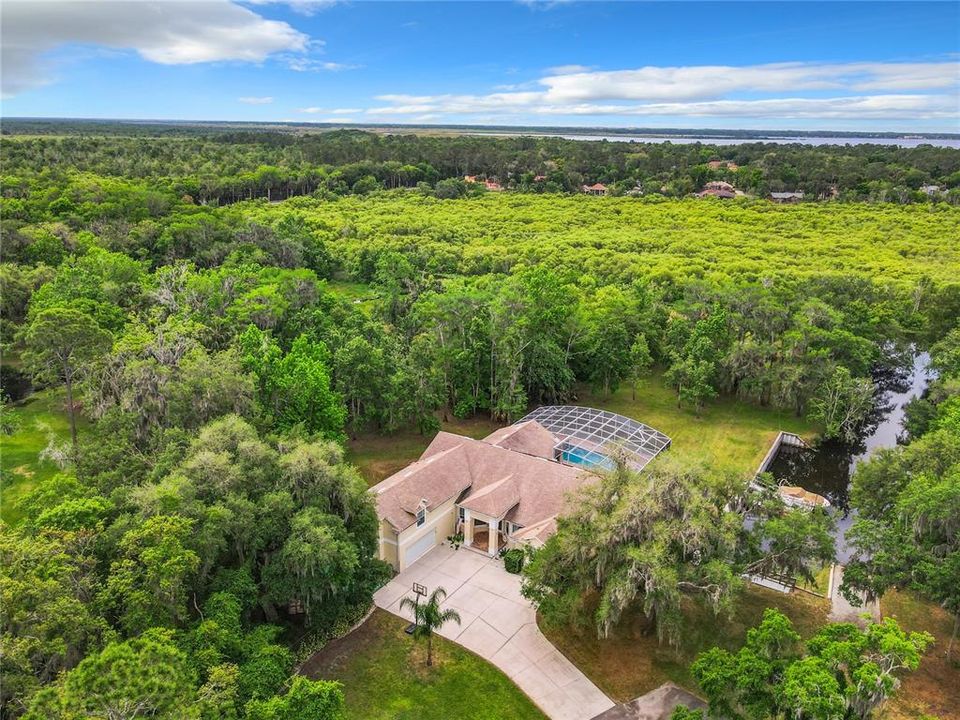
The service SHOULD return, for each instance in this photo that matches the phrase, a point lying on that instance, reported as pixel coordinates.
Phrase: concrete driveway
(499, 625)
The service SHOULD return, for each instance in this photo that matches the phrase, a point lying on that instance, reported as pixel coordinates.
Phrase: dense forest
(213, 366)
(227, 164)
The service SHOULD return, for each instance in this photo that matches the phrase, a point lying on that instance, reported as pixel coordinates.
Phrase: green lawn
(20, 464)
(384, 677)
(379, 456)
(633, 662)
(359, 294)
(728, 434)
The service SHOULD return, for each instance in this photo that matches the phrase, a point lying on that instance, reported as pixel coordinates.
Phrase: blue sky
(849, 66)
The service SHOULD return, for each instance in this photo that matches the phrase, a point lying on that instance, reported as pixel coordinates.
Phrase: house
(718, 185)
(786, 197)
(718, 164)
(596, 189)
(507, 489)
(718, 189)
(539, 178)
(488, 184)
(930, 190)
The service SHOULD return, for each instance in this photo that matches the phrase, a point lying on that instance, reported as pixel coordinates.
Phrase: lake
(907, 142)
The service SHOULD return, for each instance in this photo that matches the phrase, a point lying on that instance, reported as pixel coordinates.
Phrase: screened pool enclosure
(590, 437)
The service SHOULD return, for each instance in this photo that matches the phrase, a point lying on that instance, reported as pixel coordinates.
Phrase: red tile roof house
(595, 189)
(502, 491)
(488, 184)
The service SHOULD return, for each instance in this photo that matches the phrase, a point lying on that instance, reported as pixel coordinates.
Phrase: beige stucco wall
(388, 544)
(443, 518)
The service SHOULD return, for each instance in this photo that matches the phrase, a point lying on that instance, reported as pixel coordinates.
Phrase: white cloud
(255, 100)
(168, 33)
(567, 69)
(654, 84)
(874, 106)
(302, 64)
(302, 7)
(543, 4)
(330, 111)
(816, 90)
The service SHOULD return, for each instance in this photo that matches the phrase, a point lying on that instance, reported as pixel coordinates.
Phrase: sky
(770, 65)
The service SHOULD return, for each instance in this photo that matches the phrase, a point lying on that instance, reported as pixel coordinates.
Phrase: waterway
(904, 142)
(828, 468)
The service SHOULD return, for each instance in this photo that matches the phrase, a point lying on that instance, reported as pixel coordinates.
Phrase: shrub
(513, 561)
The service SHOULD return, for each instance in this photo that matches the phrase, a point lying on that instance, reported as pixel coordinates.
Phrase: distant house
(596, 189)
(491, 185)
(539, 178)
(714, 192)
(717, 164)
(930, 190)
(718, 185)
(786, 197)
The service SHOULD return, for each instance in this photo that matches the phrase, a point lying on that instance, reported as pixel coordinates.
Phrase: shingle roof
(530, 438)
(429, 478)
(495, 499)
(786, 195)
(496, 479)
(538, 533)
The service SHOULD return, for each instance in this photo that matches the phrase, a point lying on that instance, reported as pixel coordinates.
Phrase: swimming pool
(588, 458)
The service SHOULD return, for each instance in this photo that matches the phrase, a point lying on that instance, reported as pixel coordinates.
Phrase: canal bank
(827, 468)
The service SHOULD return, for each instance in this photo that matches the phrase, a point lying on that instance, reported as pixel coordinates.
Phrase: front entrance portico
(482, 532)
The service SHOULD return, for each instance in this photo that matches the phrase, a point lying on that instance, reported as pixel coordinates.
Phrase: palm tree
(427, 616)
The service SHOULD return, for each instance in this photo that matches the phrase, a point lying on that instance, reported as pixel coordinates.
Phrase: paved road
(500, 625)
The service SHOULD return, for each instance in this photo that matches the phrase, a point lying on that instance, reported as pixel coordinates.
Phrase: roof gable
(530, 438)
(498, 480)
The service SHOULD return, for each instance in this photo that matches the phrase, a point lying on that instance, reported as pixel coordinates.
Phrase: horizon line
(623, 129)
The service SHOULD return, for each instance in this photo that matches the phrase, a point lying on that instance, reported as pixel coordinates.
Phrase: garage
(419, 547)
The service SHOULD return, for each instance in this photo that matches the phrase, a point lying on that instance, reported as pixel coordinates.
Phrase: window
(421, 516)
(461, 513)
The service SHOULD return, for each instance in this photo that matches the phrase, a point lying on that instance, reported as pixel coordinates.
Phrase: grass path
(384, 676)
(38, 415)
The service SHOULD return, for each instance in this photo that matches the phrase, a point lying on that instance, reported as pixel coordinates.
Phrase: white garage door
(418, 548)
